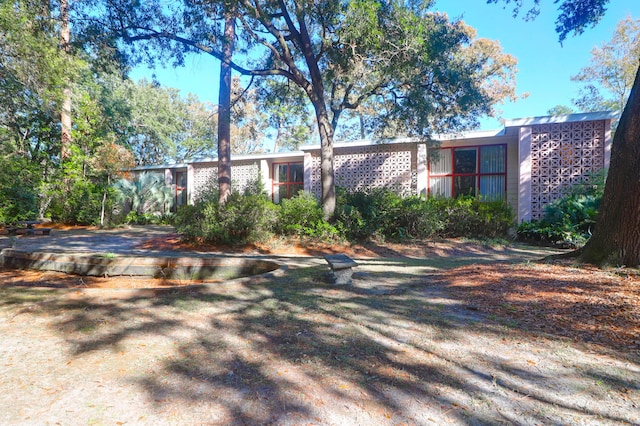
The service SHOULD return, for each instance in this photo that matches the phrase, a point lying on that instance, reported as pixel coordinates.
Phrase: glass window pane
(281, 173)
(296, 173)
(440, 162)
(294, 189)
(465, 160)
(492, 187)
(492, 159)
(464, 185)
(440, 186)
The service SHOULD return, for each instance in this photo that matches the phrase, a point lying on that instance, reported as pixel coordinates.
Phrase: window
(288, 180)
(475, 170)
(181, 189)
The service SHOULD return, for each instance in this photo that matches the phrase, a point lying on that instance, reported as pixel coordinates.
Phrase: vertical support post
(524, 174)
(422, 170)
(265, 177)
(607, 143)
(308, 161)
(190, 184)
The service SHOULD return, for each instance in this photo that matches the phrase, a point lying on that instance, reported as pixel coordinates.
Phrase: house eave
(566, 118)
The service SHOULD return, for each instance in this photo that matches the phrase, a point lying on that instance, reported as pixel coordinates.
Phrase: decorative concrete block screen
(375, 166)
(562, 155)
(206, 174)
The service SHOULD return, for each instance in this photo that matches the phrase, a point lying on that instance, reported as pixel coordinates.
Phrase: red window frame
(477, 173)
(288, 183)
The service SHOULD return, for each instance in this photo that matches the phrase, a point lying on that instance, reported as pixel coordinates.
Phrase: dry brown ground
(490, 343)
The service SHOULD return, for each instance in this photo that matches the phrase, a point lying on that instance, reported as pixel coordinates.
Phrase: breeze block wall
(563, 155)
(392, 166)
(206, 173)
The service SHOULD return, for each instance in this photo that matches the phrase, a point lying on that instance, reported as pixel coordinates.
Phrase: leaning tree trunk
(616, 237)
(224, 112)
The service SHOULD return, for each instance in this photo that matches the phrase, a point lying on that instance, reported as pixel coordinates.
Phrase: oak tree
(415, 63)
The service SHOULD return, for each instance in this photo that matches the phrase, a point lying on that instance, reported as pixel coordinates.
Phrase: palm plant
(147, 194)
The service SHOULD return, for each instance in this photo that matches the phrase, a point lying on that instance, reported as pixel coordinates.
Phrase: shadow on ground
(295, 349)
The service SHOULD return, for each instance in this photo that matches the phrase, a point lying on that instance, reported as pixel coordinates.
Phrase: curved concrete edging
(183, 268)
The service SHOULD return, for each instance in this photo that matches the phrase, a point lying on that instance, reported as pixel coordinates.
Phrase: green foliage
(364, 214)
(243, 219)
(381, 213)
(473, 218)
(286, 109)
(609, 77)
(147, 194)
(416, 218)
(302, 216)
(80, 205)
(569, 219)
(135, 218)
(18, 190)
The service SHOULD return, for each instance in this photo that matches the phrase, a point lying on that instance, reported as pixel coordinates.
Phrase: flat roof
(518, 122)
(261, 156)
(567, 118)
(444, 137)
(160, 166)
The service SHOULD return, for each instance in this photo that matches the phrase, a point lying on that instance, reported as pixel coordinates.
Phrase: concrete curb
(167, 267)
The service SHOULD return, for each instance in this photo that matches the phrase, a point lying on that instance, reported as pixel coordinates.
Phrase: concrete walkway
(130, 241)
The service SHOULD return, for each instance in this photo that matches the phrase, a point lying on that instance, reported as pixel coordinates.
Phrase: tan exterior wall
(243, 172)
(545, 158)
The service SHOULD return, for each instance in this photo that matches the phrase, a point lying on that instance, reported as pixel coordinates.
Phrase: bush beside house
(360, 215)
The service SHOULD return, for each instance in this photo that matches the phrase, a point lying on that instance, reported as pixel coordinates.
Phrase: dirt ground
(430, 333)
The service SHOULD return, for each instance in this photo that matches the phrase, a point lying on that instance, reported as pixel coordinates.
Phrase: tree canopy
(112, 118)
(424, 73)
(609, 77)
(616, 236)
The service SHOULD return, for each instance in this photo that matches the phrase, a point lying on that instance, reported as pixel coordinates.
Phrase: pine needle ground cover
(457, 335)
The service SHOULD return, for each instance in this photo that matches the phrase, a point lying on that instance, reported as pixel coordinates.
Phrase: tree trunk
(316, 95)
(616, 237)
(65, 113)
(224, 112)
(326, 159)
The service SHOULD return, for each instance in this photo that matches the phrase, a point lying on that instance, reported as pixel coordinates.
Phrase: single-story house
(529, 163)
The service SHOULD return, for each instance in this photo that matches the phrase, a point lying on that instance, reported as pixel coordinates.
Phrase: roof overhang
(567, 118)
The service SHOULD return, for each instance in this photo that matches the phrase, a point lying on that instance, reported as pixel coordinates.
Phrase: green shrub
(382, 213)
(135, 218)
(146, 194)
(80, 203)
(302, 216)
(416, 217)
(569, 219)
(19, 182)
(243, 219)
(361, 215)
(473, 218)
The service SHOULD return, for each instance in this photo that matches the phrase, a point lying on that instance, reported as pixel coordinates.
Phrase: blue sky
(545, 67)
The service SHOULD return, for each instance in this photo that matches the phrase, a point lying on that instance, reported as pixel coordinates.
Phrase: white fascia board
(159, 167)
(369, 142)
(567, 118)
(268, 156)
